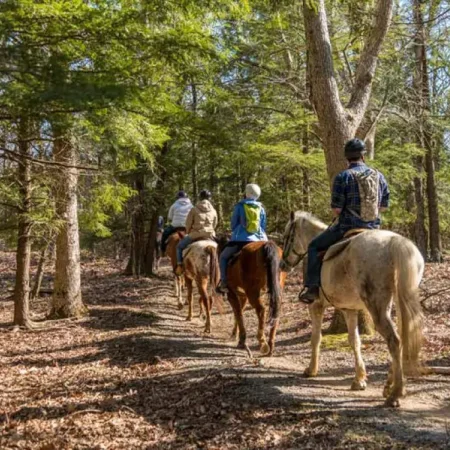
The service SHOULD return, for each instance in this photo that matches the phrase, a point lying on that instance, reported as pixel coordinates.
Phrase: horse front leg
(351, 318)
(260, 309)
(316, 311)
(202, 285)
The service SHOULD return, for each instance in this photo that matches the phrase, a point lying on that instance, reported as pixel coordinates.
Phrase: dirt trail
(135, 374)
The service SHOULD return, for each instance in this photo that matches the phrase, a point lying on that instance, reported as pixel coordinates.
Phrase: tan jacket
(201, 221)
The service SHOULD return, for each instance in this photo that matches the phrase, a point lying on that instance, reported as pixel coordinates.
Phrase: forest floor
(135, 375)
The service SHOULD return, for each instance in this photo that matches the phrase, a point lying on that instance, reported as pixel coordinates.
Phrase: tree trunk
(136, 263)
(194, 149)
(420, 230)
(306, 184)
(67, 300)
(40, 271)
(337, 123)
(23, 256)
(424, 132)
(158, 204)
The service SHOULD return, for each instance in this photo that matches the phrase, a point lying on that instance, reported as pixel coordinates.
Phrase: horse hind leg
(394, 388)
(351, 318)
(202, 285)
(316, 311)
(261, 313)
(190, 299)
(239, 320)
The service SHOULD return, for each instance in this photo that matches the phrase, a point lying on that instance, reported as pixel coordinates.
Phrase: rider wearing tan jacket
(200, 224)
(202, 220)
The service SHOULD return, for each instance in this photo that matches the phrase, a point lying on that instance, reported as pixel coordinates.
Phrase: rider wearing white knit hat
(248, 224)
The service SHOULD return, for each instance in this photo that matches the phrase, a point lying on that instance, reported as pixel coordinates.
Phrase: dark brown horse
(171, 252)
(256, 270)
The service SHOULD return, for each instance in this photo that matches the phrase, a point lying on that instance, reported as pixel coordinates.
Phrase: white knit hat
(252, 191)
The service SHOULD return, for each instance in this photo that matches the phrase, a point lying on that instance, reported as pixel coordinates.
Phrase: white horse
(367, 272)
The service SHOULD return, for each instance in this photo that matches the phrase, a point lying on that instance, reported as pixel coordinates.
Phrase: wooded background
(109, 107)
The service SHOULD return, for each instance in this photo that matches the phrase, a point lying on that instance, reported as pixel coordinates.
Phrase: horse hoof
(358, 385)
(392, 402)
(265, 349)
(189, 319)
(308, 373)
(207, 330)
(180, 305)
(241, 345)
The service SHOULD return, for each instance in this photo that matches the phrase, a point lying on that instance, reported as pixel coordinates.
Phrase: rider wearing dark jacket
(353, 208)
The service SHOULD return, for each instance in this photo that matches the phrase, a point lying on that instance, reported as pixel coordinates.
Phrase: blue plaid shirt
(346, 195)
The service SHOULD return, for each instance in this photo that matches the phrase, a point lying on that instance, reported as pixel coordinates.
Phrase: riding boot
(222, 288)
(308, 296)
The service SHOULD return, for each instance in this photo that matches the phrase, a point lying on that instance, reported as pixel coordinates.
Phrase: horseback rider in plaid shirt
(346, 204)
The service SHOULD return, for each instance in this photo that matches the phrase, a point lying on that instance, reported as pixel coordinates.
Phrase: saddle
(235, 257)
(341, 245)
(181, 231)
(188, 248)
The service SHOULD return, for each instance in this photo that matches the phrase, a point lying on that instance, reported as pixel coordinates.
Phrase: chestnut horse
(257, 269)
(171, 252)
(201, 265)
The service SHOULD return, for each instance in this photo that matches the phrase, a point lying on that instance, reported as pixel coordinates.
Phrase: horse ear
(292, 216)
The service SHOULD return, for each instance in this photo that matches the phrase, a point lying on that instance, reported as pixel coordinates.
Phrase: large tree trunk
(67, 301)
(157, 207)
(194, 172)
(338, 123)
(420, 229)
(136, 261)
(23, 256)
(306, 184)
(424, 132)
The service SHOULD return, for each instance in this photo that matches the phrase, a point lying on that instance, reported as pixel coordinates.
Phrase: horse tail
(272, 262)
(214, 276)
(408, 265)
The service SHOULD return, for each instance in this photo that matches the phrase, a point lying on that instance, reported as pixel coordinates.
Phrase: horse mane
(310, 218)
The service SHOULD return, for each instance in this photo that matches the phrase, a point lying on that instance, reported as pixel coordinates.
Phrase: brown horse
(257, 269)
(201, 265)
(171, 252)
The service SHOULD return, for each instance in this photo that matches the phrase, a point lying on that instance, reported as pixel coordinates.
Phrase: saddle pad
(340, 246)
(201, 244)
(354, 232)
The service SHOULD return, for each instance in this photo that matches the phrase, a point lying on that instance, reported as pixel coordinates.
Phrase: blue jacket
(238, 224)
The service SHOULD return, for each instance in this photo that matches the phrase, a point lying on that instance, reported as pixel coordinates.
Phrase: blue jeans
(182, 245)
(319, 244)
(166, 234)
(228, 252)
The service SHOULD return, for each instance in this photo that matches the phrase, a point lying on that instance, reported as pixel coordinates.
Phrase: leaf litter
(135, 375)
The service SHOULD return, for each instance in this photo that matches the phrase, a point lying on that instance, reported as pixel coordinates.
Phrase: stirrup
(221, 289)
(307, 300)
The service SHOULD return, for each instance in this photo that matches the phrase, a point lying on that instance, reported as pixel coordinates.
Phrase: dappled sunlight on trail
(135, 374)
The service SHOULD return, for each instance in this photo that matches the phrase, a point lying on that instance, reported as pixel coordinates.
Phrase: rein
(290, 248)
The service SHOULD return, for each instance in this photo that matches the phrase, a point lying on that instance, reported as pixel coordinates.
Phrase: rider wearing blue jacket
(248, 224)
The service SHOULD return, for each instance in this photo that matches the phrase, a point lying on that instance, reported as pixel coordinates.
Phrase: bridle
(289, 248)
